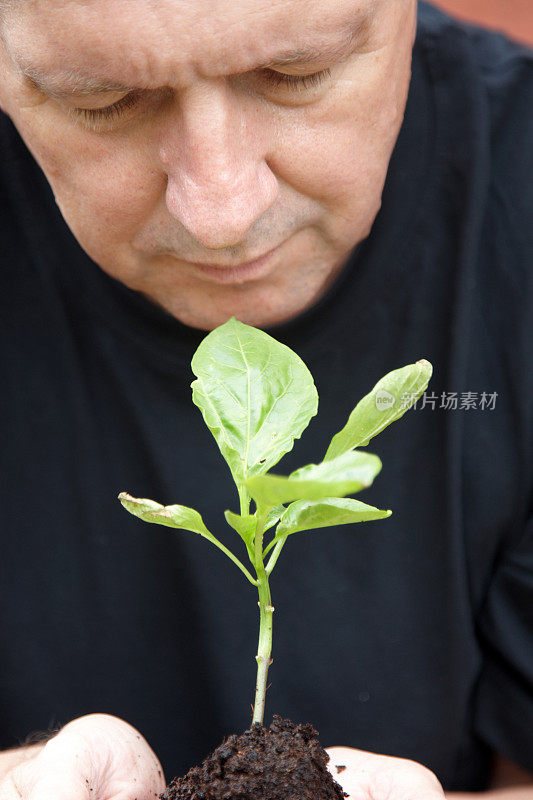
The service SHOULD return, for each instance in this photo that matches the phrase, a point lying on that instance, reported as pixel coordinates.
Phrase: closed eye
(92, 116)
(298, 81)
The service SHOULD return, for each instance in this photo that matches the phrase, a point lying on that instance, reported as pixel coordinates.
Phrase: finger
(370, 776)
(121, 760)
(91, 758)
(8, 790)
(30, 781)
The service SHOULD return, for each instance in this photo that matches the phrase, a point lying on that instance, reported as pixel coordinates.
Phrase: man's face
(184, 139)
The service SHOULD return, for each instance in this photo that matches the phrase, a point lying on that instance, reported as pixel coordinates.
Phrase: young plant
(257, 396)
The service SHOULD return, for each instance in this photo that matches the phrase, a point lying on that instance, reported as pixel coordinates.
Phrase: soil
(283, 762)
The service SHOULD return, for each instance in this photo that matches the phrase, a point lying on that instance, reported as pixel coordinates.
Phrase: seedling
(257, 396)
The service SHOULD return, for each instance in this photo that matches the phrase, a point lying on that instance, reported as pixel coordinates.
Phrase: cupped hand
(368, 776)
(97, 757)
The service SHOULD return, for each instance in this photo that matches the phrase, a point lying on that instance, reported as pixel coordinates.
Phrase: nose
(214, 154)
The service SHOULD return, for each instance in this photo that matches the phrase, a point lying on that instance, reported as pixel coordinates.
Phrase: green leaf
(274, 516)
(390, 398)
(255, 394)
(245, 525)
(182, 517)
(347, 474)
(305, 515)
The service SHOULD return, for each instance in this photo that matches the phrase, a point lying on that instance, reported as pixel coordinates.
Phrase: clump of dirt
(283, 762)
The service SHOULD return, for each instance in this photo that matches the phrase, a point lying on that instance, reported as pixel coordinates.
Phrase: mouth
(236, 273)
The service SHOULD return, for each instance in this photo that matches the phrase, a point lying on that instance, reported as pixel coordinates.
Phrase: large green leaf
(255, 394)
(307, 515)
(390, 398)
(347, 474)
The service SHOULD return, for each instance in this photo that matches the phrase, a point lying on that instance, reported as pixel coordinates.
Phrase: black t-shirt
(412, 636)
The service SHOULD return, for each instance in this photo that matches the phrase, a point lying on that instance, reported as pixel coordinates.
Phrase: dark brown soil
(283, 762)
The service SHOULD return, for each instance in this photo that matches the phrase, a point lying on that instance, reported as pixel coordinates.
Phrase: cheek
(341, 161)
(106, 186)
(339, 151)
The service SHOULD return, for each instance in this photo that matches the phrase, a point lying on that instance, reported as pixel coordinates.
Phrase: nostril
(219, 211)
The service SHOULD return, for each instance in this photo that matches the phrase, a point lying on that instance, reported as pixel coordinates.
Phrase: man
(223, 159)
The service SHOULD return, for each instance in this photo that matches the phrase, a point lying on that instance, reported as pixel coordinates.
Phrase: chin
(258, 314)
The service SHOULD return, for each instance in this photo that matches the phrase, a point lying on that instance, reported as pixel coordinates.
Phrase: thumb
(34, 780)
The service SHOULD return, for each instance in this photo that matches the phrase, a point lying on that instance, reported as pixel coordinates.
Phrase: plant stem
(275, 555)
(244, 501)
(266, 611)
(235, 560)
(264, 649)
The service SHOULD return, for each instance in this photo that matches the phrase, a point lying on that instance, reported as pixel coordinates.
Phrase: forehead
(162, 42)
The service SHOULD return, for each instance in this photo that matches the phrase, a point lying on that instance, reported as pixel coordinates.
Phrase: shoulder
(498, 69)
(484, 82)
(482, 86)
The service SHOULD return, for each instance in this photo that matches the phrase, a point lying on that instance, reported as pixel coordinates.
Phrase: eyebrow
(78, 82)
(307, 55)
(74, 82)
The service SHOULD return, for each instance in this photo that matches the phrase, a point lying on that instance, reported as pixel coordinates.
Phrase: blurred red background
(514, 17)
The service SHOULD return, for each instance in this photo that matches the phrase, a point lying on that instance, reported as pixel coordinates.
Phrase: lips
(236, 273)
(241, 265)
